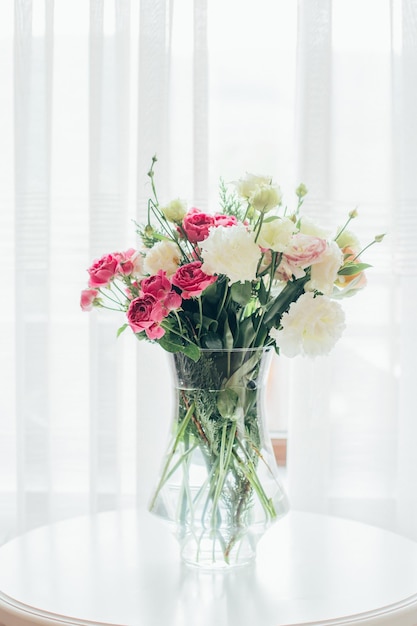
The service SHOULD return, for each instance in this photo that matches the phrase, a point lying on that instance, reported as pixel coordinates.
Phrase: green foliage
(229, 202)
(350, 269)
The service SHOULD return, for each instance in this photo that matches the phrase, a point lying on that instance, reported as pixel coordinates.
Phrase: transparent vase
(219, 487)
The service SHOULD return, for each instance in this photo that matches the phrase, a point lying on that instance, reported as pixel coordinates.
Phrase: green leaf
(212, 341)
(226, 402)
(262, 293)
(208, 323)
(353, 268)
(171, 343)
(272, 218)
(121, 329)
(241, 292)
(246, 333)
(192, 351)
(275, 308)
(227, 336)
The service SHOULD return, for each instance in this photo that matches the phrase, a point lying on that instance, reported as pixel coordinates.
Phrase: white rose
(265, 197)
(311, 327)
(164, 255)
(309, 227)
(175, 211)
(276, 234)
(324, 272)
(246, 186)
(231, 250)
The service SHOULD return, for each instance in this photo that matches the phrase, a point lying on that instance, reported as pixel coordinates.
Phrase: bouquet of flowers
(217, 289)
(256, 273)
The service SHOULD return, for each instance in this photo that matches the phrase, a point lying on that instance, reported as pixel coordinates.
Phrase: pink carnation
(144, 314)
(196, 225)
(87, 299)
(225, 220)
(161, 288)
(103, 270)
(130, 262)
(192, 280)
(158, 285)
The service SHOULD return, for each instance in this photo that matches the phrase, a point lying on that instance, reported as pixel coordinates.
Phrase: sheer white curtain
(353, 430)
(89, 92)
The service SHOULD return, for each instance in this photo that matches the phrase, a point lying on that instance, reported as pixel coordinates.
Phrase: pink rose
(304, 250)
(144, 314)
(103, 270)
(225, 220)
(87, 299)
(196, 225)
(192, 280)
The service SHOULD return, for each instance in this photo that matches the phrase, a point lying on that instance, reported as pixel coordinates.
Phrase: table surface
(123, 568)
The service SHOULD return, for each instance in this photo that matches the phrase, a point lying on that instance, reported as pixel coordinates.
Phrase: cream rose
(348, 240)
(247, 185)
(175, 211)
(309, 227)
(265, 197)
(311, 327)
(164, 255)
(324, 271)
(231, 250)
(276, 234)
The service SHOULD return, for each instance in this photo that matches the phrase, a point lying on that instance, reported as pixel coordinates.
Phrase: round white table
(123, 568)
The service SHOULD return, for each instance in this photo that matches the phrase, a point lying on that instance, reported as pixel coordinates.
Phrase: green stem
(363, 250)
(343, 228)
(106, 295)
(200, 309)
(259, 225)
(222, 305)
(224, 464)
(249, 470)
(178, 438)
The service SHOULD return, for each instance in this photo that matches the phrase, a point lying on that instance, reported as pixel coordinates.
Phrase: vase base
(205, 551)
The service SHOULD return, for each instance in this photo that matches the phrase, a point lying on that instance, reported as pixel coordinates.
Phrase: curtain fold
(404, 62)
(108, 164)
(352, 430)
(200, 105)
(32, 134)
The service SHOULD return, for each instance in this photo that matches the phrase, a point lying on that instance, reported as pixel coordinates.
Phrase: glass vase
(219, 486)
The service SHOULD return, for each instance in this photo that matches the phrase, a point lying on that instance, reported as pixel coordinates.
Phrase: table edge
(20, 610)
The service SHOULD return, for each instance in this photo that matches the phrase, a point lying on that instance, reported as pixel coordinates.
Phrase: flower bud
(353, 214)
(379, 238)
(301, 190)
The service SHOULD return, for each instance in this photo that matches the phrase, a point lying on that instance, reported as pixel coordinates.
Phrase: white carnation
(324, 272)
(164, 255)
(231, 250)
(311, 327)
(276, 234)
